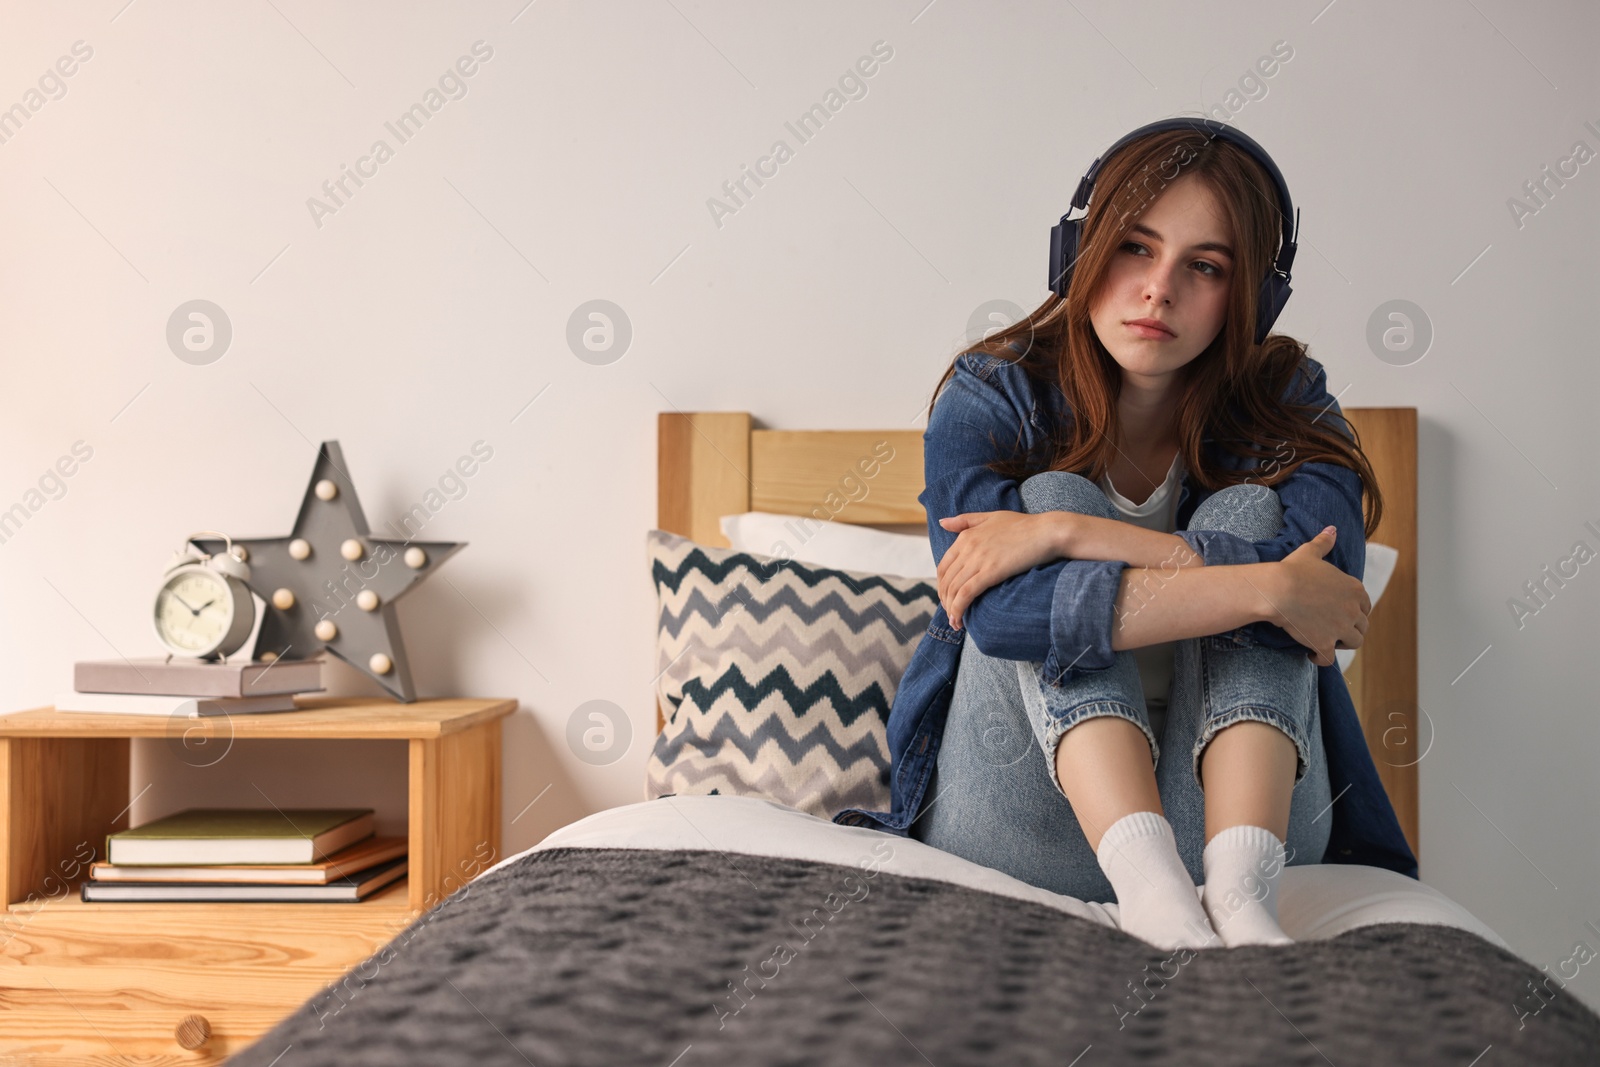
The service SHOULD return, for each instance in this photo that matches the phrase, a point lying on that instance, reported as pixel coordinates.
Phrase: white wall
(432, 307)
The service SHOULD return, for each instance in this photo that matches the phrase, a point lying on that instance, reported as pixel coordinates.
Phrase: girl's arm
(1156, 604)
(1302, 594)
(1092, 537)
(1184, 597)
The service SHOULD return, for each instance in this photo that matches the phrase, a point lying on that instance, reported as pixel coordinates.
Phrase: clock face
(194, 611)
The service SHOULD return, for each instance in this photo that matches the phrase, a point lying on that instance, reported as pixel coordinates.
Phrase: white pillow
(840, 545)
(848, 547)
(1380, 568)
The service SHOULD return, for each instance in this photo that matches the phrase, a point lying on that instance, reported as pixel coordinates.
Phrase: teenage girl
(1153, 357)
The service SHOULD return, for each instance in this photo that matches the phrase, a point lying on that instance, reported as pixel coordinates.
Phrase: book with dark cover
(172, 707)
(350, 888)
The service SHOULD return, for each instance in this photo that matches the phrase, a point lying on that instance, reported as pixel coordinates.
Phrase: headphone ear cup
(1275, 290)
(1063, 254)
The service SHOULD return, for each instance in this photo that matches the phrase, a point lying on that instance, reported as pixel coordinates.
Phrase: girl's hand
(1320, 605)
(990, 547)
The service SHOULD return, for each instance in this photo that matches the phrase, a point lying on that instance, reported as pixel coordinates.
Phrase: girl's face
(1175, 266)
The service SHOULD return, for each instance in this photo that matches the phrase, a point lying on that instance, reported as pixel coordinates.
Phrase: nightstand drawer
(78, 980)
(130, 1031)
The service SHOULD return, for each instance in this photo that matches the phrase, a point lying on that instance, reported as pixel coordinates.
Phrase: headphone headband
(1065, 235)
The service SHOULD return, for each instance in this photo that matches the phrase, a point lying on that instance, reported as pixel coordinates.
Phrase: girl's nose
(1158, 283)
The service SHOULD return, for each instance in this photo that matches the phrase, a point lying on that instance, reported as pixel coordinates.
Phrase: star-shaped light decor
(332, 585)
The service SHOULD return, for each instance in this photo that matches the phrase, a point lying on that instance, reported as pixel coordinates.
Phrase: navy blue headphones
(1064, 236)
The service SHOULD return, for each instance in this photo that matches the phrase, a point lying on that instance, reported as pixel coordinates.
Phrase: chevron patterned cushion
(776, 677)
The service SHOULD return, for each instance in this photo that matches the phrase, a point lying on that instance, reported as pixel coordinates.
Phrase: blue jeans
(993, 796)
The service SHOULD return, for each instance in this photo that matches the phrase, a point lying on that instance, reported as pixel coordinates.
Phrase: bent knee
(1064, 491)
(1249, 510)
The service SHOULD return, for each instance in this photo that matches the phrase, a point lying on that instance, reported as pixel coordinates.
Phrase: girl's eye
(1211, 271)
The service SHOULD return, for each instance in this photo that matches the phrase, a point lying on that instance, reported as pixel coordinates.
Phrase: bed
(692, 929)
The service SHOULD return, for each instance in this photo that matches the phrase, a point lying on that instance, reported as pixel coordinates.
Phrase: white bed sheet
(1315, 901)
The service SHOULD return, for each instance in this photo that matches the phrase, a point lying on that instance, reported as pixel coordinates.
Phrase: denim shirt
(1061, 614)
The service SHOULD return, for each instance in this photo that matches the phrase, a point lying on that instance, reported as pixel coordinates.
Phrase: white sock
(1156, 898)
(1242, 864)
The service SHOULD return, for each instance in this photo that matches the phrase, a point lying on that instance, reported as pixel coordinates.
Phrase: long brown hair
(1231, 391)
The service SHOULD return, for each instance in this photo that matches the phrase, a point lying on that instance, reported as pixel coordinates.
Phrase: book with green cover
(241, 835)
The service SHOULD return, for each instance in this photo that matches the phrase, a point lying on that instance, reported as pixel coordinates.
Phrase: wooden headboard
(711, 464)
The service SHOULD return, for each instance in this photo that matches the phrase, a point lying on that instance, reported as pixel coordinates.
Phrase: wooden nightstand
(114, 981)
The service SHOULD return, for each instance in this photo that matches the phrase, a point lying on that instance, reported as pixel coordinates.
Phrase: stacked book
(248, 854)
(189, 688)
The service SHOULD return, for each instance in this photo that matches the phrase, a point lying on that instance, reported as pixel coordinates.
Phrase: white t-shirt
(1159, 512)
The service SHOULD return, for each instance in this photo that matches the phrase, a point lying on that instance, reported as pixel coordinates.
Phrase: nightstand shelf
(113, 981)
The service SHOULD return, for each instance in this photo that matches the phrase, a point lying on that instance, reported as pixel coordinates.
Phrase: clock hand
(204, 606)
(185, 603)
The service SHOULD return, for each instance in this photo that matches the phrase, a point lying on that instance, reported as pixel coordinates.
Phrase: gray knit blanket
(684, 958)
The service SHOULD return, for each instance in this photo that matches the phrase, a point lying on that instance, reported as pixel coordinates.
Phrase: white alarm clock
(204, 608)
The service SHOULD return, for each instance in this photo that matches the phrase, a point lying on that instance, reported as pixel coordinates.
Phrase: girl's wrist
(1063, 529)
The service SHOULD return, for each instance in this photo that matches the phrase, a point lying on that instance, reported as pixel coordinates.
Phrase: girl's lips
(1150, 332)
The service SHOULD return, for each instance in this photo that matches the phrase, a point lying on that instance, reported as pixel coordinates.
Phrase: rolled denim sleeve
(1081, 613)
(1059, 614)
(1314, 496)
